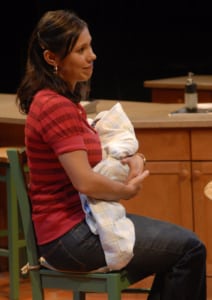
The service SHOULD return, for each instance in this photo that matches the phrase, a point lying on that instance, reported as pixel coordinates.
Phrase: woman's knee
(196, 249)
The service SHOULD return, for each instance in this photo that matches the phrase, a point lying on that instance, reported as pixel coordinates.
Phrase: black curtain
(134, 41)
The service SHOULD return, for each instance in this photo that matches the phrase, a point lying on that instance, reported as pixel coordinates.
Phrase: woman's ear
(50, 58)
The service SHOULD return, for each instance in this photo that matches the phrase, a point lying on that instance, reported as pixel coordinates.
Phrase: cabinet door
(202, 174)
(165, 194)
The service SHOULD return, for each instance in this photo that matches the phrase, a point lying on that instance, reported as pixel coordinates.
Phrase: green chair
(113, 283)
(15, 241)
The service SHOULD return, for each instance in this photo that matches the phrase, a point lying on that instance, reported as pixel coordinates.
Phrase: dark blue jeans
(174, 254)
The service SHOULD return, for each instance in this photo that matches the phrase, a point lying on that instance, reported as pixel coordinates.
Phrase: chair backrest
(19, 170)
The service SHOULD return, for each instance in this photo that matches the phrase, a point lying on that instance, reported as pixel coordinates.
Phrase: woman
(63, 148)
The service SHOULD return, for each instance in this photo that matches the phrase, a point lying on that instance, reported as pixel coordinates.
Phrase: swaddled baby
(108, 218)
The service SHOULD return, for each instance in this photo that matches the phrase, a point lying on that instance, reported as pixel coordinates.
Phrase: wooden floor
(50, 294)
(25, 292)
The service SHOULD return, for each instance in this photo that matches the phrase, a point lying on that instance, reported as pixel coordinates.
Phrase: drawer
(164, 144)
(201, 144)
(177, 95)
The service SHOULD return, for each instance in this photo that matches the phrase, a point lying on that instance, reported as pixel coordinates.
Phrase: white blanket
(108, 218)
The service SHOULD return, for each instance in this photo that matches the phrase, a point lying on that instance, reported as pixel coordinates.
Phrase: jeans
(172, 253)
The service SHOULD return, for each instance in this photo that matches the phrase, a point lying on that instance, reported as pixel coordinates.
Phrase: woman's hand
(136, 165)
(98, 186)
(135, 184)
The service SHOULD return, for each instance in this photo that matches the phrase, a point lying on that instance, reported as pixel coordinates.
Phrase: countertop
(142, 114)
(9, 112)
(157, 115)
(204, 82)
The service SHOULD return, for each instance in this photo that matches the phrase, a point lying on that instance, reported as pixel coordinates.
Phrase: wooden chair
(113, 283)
(12, 233)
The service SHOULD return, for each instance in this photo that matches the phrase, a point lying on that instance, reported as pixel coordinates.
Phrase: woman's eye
(81, 50)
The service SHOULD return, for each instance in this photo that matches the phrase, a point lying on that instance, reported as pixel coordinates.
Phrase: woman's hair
(58, 32)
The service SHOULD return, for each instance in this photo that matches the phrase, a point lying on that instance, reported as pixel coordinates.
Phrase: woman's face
(78, 64)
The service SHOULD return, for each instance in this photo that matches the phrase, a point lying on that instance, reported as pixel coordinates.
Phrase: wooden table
(171, 90)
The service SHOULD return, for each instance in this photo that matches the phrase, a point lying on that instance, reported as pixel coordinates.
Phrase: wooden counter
(9, 112)
(169, 90)
(142, 114)
(179, 157)
(11, 122)
(154, 115)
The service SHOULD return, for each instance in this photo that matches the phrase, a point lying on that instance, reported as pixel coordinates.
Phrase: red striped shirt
(55, 125)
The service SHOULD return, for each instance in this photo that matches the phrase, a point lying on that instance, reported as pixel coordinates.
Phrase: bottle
(190, 96)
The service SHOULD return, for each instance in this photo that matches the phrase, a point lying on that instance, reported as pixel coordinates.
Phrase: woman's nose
(92, 55)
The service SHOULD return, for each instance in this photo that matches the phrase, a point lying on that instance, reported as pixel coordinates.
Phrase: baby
(108, 218)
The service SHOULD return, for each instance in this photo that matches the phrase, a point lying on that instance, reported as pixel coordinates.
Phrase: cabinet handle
(196, 174)
(184, 173)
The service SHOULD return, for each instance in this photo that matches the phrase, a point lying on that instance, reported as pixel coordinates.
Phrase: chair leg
(14, 276)
(37, 290)
(114, 290)
(13, 239)
(114, 294)
(78, 295)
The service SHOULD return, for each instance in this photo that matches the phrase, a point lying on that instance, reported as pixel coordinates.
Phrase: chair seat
(90, 282)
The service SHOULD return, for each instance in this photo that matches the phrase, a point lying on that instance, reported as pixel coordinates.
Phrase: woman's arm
(95, 185)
